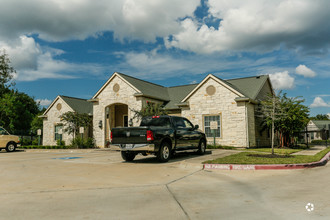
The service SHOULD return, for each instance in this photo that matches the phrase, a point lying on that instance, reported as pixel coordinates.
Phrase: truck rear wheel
(164, 152)
(128, 156)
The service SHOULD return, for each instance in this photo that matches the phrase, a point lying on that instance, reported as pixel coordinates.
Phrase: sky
(71, 47)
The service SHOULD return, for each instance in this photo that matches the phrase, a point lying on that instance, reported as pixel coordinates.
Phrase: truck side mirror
(196, 127)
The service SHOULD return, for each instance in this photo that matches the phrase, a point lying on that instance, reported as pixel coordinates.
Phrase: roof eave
(150, 96)
(245, 99)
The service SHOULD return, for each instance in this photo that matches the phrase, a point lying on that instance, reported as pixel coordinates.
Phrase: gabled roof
(321, 124)
(177, 93)
(249, 86)
(142, 88)
(147, 88)
(220, 81)
(79, 105)
(76, 104)
(245, 88)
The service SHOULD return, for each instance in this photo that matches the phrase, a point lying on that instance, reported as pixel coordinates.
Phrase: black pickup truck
(160, 136)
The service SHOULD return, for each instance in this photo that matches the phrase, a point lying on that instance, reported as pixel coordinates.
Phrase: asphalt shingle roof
(79, 105)
(321, 123)
(249, 87)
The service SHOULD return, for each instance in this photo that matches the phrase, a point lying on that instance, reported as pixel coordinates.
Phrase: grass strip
(283, 151)
(244, 158)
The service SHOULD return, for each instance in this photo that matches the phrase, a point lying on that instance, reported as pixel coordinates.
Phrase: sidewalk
(310, 152)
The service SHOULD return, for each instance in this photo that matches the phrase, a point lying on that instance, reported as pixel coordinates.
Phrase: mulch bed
(269, 155)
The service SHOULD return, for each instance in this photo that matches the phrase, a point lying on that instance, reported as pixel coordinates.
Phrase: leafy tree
(320, 117)
(17, 111)
(271, 111)
(151, 109)
(74, 120)
(37, 122)
(285, 116)
(6, 73)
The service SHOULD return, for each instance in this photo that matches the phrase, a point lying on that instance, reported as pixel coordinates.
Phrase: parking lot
(97, 184)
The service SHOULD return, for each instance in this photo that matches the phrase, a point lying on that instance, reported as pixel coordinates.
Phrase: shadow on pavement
(178, 156)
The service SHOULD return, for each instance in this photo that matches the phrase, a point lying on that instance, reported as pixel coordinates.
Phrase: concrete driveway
(97, 184)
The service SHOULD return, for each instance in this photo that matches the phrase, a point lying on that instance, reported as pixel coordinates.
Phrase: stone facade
(211, 99)
(53, 119)
(116, 91)
(233, 120)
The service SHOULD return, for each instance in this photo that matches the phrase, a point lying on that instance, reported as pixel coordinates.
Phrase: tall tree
(284, 116)
(320, 117)
(150, 109)
(17, 111)
(271, 111)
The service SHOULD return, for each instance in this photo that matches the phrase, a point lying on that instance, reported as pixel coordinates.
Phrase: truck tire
(164, 152)
(11, 147)
(201, 147)
(128, 156)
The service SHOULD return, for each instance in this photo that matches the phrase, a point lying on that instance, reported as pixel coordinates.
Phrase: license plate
(129, 146)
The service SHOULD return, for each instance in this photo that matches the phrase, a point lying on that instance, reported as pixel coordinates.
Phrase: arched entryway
(116, 115)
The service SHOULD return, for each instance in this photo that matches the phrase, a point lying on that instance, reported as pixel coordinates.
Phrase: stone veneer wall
(233, 120)
(53, 118)
(125, 95)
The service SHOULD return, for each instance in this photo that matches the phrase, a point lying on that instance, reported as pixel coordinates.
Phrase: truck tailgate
(129, 135)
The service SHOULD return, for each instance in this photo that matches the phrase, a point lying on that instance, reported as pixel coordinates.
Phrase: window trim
(58, 125)
(220, 127)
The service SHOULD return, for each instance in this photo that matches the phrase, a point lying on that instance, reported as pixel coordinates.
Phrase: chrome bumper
(135, 147)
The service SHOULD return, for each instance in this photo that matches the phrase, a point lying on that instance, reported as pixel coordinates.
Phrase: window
(125, 121)
(3, 131)
(58, 132)
(182, 123)
(207, 125)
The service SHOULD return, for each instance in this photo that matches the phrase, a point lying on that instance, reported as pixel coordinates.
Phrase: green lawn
(276, 150)
(265, 158)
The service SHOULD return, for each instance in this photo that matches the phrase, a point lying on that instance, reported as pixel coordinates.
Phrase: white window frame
(207, 129)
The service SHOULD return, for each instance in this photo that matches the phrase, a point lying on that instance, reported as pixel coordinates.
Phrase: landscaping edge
(322, 162)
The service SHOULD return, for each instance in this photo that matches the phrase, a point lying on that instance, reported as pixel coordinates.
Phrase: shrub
(78, 142)
(60, 143)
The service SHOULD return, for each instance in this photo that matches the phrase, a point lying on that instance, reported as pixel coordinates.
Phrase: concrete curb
(322, 162)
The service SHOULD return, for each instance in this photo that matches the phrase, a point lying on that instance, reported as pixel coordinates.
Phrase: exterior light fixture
(100, 124)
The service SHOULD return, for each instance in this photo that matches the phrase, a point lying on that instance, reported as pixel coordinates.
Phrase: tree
(74, 120)
(37, 122)
(17, 111)
(151, 109)
(320, 117)
(271, 111)
(6, 72)
(285, 116)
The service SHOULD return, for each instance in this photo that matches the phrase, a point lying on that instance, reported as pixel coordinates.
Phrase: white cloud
(305, 71)
(319, 102)
(257, 25)
(44, 102)
(282, 80)
(59, 20)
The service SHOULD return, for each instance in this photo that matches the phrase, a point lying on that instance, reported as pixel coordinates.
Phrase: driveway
(97, 184)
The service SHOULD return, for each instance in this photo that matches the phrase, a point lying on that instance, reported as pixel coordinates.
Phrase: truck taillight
(150, 135)
(110, 136)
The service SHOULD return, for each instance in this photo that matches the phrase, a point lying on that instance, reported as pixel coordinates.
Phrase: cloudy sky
(71, 47)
